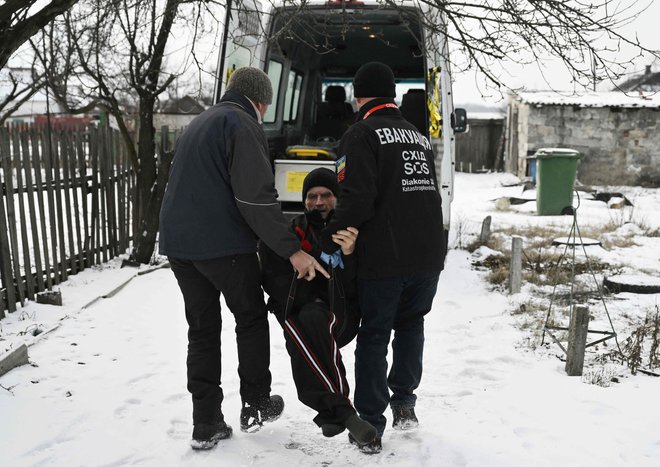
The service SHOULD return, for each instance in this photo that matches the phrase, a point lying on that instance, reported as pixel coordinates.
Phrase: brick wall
(621, 146)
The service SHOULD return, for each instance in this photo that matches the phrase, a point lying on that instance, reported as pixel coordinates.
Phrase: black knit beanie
(374, 79)
(320, 177)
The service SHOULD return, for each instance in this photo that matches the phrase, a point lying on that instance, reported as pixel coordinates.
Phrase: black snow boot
(253, 415)
(332, 429)
(206, 436)
(363, 432)
(373, 447)
(404, 418)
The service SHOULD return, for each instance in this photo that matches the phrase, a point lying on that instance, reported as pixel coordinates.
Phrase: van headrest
(413, 109)
(335, 94)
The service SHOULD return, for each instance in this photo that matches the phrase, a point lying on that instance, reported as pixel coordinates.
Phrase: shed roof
(592, 99)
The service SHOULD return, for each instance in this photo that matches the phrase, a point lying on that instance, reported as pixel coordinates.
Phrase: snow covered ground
(107, 385)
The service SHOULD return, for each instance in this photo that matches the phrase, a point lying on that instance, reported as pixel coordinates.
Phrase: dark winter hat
(252, 83)
(320, 177)
(374, 79)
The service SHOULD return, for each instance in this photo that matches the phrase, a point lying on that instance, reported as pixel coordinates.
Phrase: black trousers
(396, 304)
(201, 283)
(318, 371)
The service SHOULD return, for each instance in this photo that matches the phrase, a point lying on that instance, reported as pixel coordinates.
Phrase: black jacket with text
(389, 191)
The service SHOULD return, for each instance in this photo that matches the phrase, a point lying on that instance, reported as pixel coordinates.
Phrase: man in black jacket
(389, 191)
(320, 316)
(220, 197)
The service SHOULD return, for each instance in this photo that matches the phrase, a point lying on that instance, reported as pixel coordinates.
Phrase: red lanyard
(389, 105)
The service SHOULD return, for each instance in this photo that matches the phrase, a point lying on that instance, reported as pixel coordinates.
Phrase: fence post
(515, 271)
(577, 340)
(485, 230)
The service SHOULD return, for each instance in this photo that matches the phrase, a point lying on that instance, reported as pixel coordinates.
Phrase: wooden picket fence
(66, 205)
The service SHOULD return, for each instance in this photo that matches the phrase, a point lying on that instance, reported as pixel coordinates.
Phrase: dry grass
(495, 242)
(618, 242)
(652, 232)
(533, 231)
(540, 267)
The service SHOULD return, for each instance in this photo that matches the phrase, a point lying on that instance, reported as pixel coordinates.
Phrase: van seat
(413, 109)
(333, 116)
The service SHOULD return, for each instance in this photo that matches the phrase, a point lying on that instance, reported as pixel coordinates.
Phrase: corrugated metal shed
(592, 99)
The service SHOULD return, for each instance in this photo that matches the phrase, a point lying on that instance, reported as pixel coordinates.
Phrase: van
(311, 51)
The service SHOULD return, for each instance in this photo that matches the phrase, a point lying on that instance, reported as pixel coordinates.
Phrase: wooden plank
(20, 192)
(82, 170)
(11, 225)
(3, 303)
(515, 272)
(14, 358)
(57, 178)
(32, 208)
(131, 196)
(50, 198)
(110, 195)
(577, 340)
(65, 156)
(121, 196)
(76, 182)
(37, 150)
(50, 298)
(103, 158)
(5, 251)
(96, 229)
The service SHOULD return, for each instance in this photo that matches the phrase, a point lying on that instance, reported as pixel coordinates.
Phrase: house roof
(185, 105)
(649, 81)
(593, 99)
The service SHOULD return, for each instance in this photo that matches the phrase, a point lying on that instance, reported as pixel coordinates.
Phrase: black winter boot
(374, 447)
(404, 418)
(206, 436)
(332, 429)
(253, 415)
(362, 431)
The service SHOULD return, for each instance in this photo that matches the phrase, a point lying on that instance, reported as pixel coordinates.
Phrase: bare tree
(21, 85)
(584, 35)
(112, 54)
(21, 19)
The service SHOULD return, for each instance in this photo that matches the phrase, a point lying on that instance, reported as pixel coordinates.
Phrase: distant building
(41, 104)
(618, 134)
(178, 113)
(649, 81)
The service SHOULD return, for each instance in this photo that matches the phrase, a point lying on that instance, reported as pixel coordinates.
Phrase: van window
(275, 75)
(292, 96)
(402, 86)
(237, 57)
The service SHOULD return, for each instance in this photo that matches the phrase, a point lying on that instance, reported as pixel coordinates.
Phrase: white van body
(306, 50)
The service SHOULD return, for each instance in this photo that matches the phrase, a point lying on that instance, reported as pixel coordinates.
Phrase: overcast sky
(469, 87)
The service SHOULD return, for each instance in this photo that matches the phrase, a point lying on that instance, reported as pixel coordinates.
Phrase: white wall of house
(173, 121)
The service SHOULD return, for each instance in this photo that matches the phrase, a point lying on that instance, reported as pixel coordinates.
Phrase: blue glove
(333, 260)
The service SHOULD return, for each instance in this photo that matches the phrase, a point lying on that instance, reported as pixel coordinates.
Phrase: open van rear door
(242, 41)
(309, 47)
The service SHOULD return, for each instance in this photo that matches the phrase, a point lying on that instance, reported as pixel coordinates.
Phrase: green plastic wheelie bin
(556, 169)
